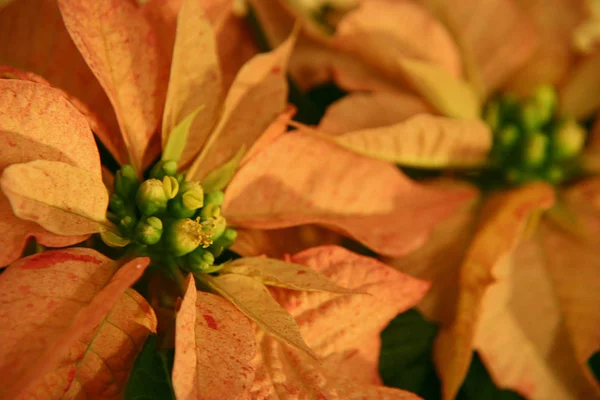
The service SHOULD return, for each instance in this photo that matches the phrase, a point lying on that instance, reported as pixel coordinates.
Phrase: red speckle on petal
(276, 69)
(301, 272)
(46, 260)
(210, 321)
(351, 354)
(287, 389)
(70, 378)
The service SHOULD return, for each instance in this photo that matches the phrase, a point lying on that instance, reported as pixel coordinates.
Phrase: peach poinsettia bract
(51, 179)
(507, 273)
(94, 326)
(230, 362)
(71, 324)
(503, 283)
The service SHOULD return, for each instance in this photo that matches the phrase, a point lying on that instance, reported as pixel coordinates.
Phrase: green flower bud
(126, 183)
(210, 211)
(127, 224)
(117, 204)
(184, 235)
(508, 136)
(227, 239)
(192, 195)
(554, 175)
(513, 176)
(219, 224)
(151, 198)
(112, 217)
(217, 197)
(163, 168)
(545, 98)
(200, 260)
(492, 115)
(568, 140)
(177, 210)
(535, 150)
(530, 117)
(170, 167)
(148, 231)
(171, 186)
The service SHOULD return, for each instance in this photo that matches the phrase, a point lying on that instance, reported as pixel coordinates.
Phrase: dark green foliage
(406, 363)
(150, 376)
(594, 364)
(479, 385)
(405, 360)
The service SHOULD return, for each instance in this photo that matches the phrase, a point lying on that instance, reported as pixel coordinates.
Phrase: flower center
(168, 218)
(531, 141)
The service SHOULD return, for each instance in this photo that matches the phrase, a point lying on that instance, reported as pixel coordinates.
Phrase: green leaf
(220, 177)
(479, 385)
(150, 376)
(179, 136)
(405, 359)
(594, 364)
(405, 362)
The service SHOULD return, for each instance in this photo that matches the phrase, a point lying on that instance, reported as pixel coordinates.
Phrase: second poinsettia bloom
(505, 94)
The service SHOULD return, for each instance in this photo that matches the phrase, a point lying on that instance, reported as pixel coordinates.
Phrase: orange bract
(337, 326)
(301, 180)
(38, 123)
(73, 324)
(214, 346)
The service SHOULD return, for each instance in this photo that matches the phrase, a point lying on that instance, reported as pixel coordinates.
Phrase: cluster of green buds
(531, 142)
(168, 218)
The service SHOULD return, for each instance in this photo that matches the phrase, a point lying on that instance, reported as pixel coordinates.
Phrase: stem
(175, 273)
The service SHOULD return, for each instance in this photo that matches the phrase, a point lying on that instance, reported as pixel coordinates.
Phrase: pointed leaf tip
(120, 44)
(220, 177)
(342, 329)
(256, 97)
(253, 299)
(195, 81)
(178, 137)
(283, 274)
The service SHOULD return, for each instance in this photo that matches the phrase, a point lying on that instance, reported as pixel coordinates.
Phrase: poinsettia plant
(73, 324)
(502, 94)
